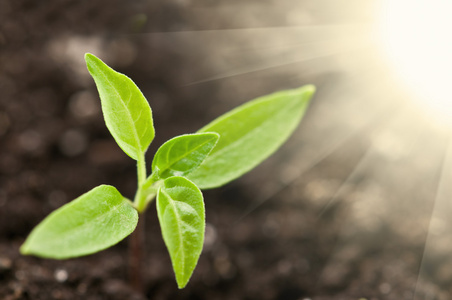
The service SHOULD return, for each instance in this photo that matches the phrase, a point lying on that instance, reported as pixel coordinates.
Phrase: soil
(332, 216)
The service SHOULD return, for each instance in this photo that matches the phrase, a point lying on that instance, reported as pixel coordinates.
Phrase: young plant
(220, 152)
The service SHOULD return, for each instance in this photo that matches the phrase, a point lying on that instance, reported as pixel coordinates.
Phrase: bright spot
(417, 35)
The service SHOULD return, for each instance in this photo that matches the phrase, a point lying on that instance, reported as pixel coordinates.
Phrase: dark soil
(334, 215)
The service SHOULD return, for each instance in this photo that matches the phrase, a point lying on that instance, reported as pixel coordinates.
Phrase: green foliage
(93, 222)
(180, 209)
(223, 150)
(127, 113)
(249, 134)
(181, 155)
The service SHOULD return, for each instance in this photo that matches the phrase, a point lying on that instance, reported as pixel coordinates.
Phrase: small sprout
(220, 152)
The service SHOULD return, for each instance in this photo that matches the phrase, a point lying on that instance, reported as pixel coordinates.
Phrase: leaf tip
(92, 62)
(24, 249)
(89, 57)
(307, 90)
(182, 280)
(182, 284)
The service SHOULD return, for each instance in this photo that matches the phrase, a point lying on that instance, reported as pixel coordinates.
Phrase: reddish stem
(136, 256)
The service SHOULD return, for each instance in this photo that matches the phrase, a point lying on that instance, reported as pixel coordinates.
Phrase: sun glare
(417, 35)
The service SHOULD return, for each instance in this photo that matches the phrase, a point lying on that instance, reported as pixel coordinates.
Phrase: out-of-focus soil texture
(354, 206)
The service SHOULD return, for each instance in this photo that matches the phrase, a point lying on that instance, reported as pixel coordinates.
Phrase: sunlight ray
(342, 26)
(345, 185)
(440, 226)
(269, 66)
(324, 43)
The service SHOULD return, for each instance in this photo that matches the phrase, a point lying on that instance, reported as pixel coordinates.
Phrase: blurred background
(356, 205)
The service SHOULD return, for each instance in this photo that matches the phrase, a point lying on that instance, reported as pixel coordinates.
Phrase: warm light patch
(417, 35)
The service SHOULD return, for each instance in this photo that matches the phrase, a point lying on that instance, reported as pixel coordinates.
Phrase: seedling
(218, 153)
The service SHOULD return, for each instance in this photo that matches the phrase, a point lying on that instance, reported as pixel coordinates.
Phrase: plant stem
(141, 168)
(136, 256)
(136, 239)
(140, 199)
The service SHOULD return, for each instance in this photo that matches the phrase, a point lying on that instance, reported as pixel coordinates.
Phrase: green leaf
(126, 111)
(183, 154)
(249, 134)
(93, 222)
(180, 209)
